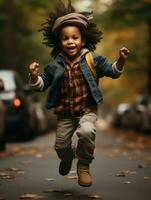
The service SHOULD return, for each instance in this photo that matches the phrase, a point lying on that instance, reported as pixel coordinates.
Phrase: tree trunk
(149, 69)
(9, 34)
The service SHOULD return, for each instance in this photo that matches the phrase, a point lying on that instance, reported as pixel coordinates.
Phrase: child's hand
(122, 58)
(124, 53)
(34, 71)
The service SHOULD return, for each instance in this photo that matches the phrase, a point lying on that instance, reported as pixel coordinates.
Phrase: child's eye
(75, 37)
(64, 38)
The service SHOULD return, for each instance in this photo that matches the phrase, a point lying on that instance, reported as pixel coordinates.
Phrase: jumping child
(73, 93)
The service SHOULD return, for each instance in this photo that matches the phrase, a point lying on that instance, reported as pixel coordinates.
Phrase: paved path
(121, 170)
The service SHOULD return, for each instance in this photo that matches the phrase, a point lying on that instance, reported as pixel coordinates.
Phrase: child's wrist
(117, 69)
(120, 63)
(33, 78)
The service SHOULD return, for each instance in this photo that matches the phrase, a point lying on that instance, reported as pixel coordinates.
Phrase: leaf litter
(14, 169)
(127, 182)
(51, 191)
(39, 155)
(146, 178)
(68, 194)
(95, 196)
(32, 196)
(124, 173)
(5, 175)
(72, 177)
(50, 179)
(121, 173)
(141, 166)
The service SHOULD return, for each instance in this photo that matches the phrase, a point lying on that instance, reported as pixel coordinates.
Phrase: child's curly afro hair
(91, 35)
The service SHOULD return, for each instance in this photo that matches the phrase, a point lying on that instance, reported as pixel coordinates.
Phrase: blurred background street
(121, 169)
(28, 163)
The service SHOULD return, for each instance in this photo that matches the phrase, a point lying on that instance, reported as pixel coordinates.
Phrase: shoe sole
(84, 185)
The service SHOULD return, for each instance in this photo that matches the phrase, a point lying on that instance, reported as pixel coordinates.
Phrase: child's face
(71, 41)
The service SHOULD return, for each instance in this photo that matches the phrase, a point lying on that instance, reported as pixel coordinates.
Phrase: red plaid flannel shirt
(74, 90)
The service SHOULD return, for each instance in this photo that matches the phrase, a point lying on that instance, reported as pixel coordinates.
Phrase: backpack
(90, 62)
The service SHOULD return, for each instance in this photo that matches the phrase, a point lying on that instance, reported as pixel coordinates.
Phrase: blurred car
(21, 119)
(2, 117)
(132, 117)
(2, 135)
(117, 117)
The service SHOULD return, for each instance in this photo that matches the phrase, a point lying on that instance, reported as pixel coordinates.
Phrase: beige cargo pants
(85, 128)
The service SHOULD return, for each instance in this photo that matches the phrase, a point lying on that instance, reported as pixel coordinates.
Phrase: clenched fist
(34, 71)
(124, 52)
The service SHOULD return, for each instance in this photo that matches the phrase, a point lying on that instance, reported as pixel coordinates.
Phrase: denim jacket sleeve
(47, 76)
(104, 67)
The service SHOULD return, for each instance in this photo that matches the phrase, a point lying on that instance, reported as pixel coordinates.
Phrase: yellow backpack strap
(90, 62)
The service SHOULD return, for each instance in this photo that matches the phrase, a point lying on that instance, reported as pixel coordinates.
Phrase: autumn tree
(131, 13)
(19, 37)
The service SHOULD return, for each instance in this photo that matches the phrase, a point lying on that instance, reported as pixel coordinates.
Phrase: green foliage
(126, 23)
(132, 10)
(21, 43)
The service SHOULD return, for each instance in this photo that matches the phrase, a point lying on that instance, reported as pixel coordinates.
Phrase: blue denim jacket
(54, 72)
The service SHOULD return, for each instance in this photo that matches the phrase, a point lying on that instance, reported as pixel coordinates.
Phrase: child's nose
(70, 41)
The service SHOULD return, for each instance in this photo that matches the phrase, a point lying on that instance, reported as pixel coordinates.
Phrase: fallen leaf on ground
(142, 166)
(51, 190)
(95, 196)
(122, 173)
(39, 155)
(127, 182)
(72, 177)
(4, 175)
(68, 194)
(146, 178)
(31, 196)
(50, 179)
(13, 169)
(9, 177)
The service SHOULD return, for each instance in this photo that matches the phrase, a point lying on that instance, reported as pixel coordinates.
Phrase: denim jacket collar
(62, 58)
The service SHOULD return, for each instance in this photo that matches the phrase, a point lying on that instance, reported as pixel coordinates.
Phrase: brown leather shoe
(84, 176)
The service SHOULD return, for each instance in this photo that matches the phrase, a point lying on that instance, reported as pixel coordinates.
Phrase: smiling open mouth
(71, 48)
